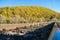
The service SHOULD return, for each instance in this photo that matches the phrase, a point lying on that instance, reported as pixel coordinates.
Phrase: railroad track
(13, 26)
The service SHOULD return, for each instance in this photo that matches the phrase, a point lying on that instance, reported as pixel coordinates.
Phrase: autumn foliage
(23, 14)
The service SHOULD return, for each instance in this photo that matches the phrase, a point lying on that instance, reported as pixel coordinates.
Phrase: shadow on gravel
(38, 34)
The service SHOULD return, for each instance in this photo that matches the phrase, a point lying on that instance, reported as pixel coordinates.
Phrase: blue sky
(52, 4)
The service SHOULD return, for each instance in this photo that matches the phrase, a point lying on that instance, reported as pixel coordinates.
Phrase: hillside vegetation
(23, 14)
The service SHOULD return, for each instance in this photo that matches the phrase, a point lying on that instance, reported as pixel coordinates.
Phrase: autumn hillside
(23, 14)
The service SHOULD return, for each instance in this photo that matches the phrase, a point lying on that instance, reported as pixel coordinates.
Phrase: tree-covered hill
(23, 14)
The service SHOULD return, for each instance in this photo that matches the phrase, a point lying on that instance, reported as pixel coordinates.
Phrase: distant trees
(25, 14)
(2, 19)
